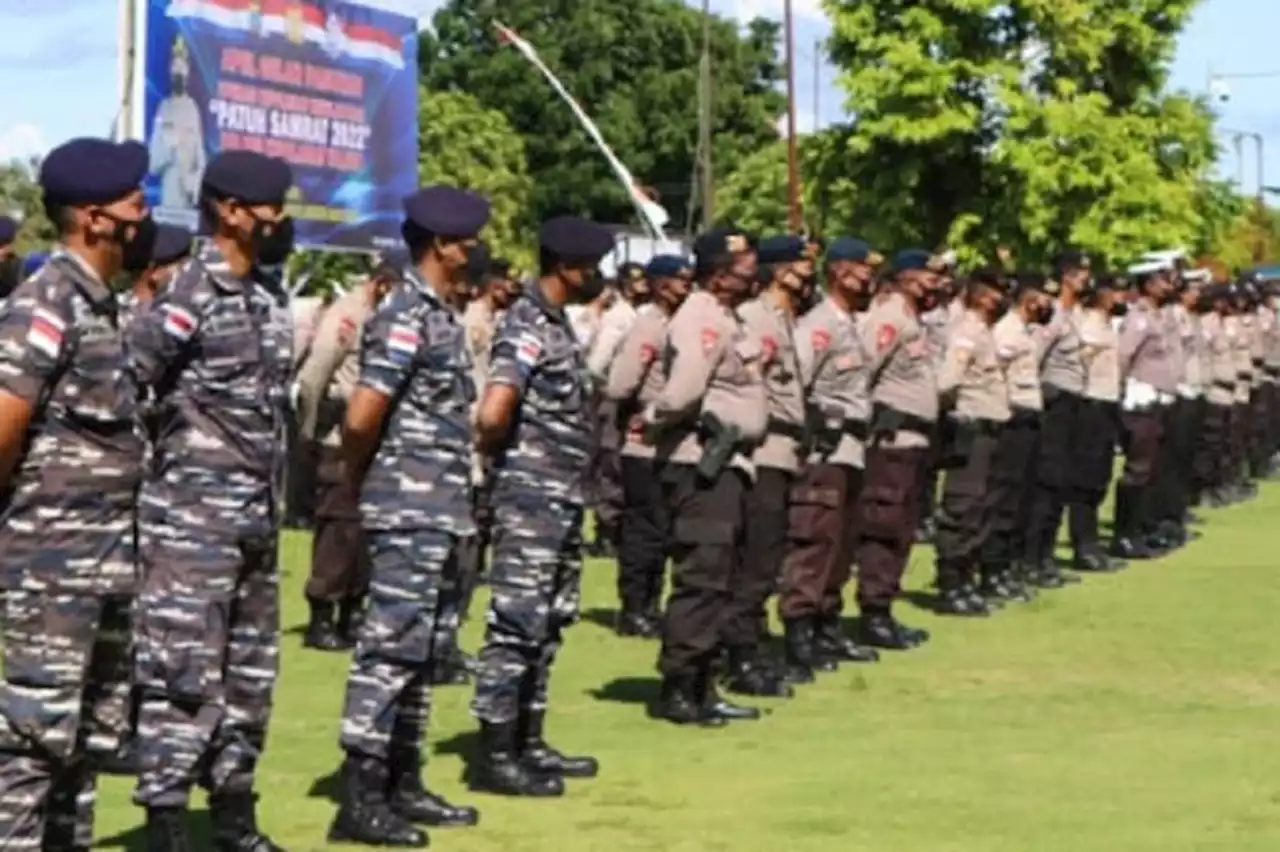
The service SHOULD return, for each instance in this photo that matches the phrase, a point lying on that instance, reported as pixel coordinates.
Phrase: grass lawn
(1129, 713)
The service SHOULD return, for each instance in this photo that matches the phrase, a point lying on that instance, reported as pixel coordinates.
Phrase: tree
(1039, 124)
(465, 144)
(633, 64)
(20, 197)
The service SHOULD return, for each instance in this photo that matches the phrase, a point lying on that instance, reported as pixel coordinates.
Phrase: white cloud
(804, 122)
(745, 10)
(21, 142)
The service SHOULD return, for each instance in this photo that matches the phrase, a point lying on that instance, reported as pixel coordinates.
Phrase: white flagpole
(651, 213)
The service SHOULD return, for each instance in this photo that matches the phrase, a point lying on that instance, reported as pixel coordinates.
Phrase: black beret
(631, 271)
(248, 177)
(989, 276)
(397, 257)
(849, 248)
(1071, 260)
(782, 249)
(479, 262)
(575, 240)
(172, 244)
(1108, 281)
(8, 230)
(31, 263)
(92, 171)
(447, 211)
(912, 259)
(1025, 280)
(500, 267)
(667, 266)
(718, 246)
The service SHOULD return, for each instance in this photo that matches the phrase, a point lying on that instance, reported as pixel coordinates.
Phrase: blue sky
(59, 66)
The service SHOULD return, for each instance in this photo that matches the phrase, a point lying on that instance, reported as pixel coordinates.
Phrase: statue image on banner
(177, 146)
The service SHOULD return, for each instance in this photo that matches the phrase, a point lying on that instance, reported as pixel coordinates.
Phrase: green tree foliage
(633, 65)
(20, 198)
(463, 143)
(1037, 124)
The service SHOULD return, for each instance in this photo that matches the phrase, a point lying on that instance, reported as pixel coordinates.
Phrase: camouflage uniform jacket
(217, 352)
(67, 523)
(535, 351)
(414, 350)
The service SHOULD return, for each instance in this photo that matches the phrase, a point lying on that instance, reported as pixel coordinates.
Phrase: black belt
(857, 429)
(981, 425)
(1271, 371)
(1258, 362)
(794, 431)
(1224, 384)
(1024, 417)
(1244, 377)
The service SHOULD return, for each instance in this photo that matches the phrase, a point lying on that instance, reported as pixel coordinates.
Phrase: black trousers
(1012, 482)
(1100, 420)
(1142, 433)
(642, 556)
(1172, 488)
(1209, 468)
(964, 521)
(706, 534)
(764, 546)
(1057, 471)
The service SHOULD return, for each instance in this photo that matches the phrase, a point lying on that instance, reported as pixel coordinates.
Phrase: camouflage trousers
(207, 638)
(65, 699)
(412, 617)
(535, 583)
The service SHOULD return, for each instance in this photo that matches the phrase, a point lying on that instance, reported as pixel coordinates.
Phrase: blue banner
(329, 86)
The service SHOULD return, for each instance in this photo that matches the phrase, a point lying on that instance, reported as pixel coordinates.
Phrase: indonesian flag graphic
(299, 22)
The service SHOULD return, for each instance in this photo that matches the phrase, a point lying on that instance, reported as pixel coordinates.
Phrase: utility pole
(704, 122)
(794, 221)
(128, 54)
(817, 85)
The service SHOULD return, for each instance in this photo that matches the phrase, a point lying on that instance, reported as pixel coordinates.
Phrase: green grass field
(1133, 712)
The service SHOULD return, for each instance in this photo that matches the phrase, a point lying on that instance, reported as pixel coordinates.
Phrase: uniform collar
(535, 295)
(95, 291)
(418, 282)
(210, 257)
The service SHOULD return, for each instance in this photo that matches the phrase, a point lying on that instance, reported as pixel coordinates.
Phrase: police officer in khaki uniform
(1013, 468)
(834, 369)
(904, 415)
(635, 380)
(339, 564)
(1150, 381)
(704, 424)
(786, 263)
(1240, 333)
(1099, 418)
(1213, 452)
(1271, 369)
(1261, 321)
(1062, 381)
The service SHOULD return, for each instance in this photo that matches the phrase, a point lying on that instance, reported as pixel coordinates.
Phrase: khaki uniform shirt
(1220, 363)
(614, 324)
(1060, 363)
(781, 380)
(1019, 353)
(903, 375)
(835, 368)
(329, 373)
(971, 372)
(635, 375)
(1100, 350)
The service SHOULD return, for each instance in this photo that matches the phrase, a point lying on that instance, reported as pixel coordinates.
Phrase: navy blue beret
(782, 249)
(572, 239)
(248, 177)
(31, 263)
(719, 245)
(8, 230)
(1071, 260)
(172, 244)
(912, 259)
(92, 171)
(666, 266)
(850, 248)
(630, 271)
(447, 211)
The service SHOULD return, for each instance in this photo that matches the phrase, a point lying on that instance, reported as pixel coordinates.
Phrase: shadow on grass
(628, 690)
(326, 787)
(135, 839)
(601, 617)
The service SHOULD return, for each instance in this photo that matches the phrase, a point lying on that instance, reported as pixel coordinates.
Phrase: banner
(329, 86)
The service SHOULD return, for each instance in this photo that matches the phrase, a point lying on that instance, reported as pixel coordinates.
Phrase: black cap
(8, 230)
(630, 271)
(909, 260)
(667, 266)
(92, 171)
(785, 248)
(1025, 280)
(447, 211)
(717, 247)
(248, 177)
(575, 240)
(172, 244)
(853, 249)
(1071, 259)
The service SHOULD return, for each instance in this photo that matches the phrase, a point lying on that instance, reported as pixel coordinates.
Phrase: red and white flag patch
(402, 342)
(821, 340)
(885, 337)
(648, 354)
(770, 347)
(346, 331)
(528, 349)
(710, 337)
(45, 334)
(179, 323)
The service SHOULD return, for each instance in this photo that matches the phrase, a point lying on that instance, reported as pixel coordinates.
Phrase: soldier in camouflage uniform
(216, 350)
(10, 262)
(407, 448)
(535, 418)
(70, 451)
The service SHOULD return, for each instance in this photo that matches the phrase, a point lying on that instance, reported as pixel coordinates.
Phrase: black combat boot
(632, 624)
(410, 797)
(830, 640)
(364, 813)
(879, 629)
(538, 755)
(167, 830)
(499, 769)
(680, 703)
(124, 761)
(322, 631)
(450, 668)
(1011, 580)
(798, 636)
(747, 675)
(716, 705)
(958, 601)
(350, 618)
(235, 824)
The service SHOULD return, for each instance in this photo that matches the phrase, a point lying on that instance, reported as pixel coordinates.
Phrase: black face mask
(137, 239)
(10, 274)
(1119, 309)
(477, 264)
(1003, 306)
(272, 241)
(178, 84)
(592, 286)
(1044, 315)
